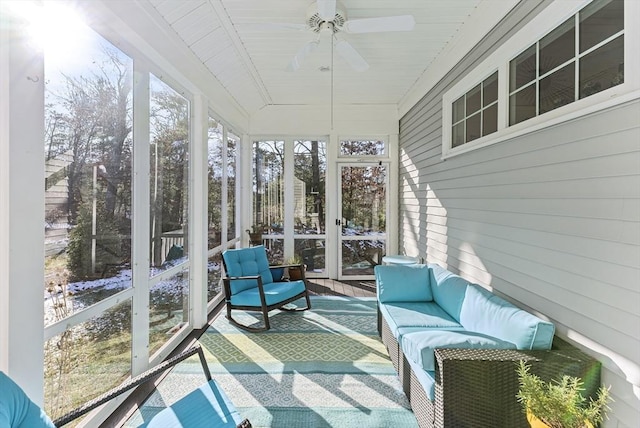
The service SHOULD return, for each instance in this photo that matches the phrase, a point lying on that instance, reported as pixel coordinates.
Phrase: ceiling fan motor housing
(317, 24)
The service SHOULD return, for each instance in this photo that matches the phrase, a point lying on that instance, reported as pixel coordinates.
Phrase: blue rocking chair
(252, 285)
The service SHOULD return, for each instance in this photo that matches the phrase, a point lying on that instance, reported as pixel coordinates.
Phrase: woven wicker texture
(477, 388)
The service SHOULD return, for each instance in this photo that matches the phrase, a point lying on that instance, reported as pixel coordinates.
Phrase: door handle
(338, 222)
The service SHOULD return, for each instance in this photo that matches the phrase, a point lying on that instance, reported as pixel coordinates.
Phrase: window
(221, 178)
(215, 183)
(169, 175)
(362, 148)
(568, 60)
(233, 142)
(87, 176)
(544, 76)
(475, 114)
(88, 145)
(268, 196)
(310, 168)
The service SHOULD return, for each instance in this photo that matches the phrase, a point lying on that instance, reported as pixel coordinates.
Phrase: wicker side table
(477, 387)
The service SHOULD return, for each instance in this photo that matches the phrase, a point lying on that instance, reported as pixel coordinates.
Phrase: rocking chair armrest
(132, 383)
(298, 265)
(235, 278)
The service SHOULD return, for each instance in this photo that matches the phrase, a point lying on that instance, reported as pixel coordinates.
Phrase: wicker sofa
(455, 346)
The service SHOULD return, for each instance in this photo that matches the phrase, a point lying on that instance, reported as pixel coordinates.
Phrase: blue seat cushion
(207, 406)
(274, 292)
(400, 315)
(484, 312)
(403, 283)
(419, 346)
(17, 410)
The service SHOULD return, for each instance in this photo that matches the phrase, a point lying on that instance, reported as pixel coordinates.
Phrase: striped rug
(325, 367)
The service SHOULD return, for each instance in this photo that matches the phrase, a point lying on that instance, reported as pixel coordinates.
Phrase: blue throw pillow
(397, 283)
(17, 410)
(484, 312)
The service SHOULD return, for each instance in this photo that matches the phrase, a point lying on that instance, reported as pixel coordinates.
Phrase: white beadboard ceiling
(237, 41)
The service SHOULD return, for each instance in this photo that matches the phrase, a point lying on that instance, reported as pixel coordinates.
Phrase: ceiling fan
(330, 17)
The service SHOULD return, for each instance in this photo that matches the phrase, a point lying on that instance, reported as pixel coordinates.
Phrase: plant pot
(255, 238)
(295, 273)
(537, 423)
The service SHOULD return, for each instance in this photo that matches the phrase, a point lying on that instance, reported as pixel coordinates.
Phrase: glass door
(363, 214)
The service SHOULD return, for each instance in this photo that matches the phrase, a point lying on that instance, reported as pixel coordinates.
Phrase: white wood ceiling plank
(196, 24)
(211, 45)
(173, 10)
(237, 42)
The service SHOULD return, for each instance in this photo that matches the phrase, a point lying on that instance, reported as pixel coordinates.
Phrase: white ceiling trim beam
(228, 27)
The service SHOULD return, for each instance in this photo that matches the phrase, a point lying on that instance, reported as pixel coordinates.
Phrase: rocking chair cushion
(274, 293)
(247, 262)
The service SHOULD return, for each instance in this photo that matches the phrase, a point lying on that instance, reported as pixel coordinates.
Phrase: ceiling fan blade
(382, 24)
(327, 9)
(348, 52)
(297, 60)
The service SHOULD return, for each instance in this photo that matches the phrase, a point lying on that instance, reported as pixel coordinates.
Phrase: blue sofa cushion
(484, 312)
(250, 261)
(400, 315)
(448, 290)
(419, 346)
(207, 406)
(274, 293)
(17, 410)
(397, 283)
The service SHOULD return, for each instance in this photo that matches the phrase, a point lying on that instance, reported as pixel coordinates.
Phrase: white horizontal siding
(550, 220)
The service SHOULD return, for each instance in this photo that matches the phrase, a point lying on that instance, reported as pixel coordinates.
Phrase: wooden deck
(332, 287)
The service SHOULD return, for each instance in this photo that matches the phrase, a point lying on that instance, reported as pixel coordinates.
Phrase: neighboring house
(56, 227)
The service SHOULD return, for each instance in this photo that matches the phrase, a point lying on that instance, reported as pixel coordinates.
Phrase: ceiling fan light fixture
(328, 17)
(317, 22)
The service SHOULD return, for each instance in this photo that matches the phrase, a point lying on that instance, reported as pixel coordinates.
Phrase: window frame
(383, 138)
(535, 30)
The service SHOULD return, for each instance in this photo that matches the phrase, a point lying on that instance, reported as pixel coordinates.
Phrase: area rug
(325, 367)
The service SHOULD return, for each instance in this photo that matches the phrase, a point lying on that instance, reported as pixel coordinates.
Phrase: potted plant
(295, 267)
(255, 234)
(559, 404)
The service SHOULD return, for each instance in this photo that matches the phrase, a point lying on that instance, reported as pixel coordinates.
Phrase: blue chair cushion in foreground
(249, 285)
(206, 406)
(17, 410)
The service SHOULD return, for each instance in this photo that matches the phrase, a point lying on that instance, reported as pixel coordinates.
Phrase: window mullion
(537, 79)
(576, 86)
